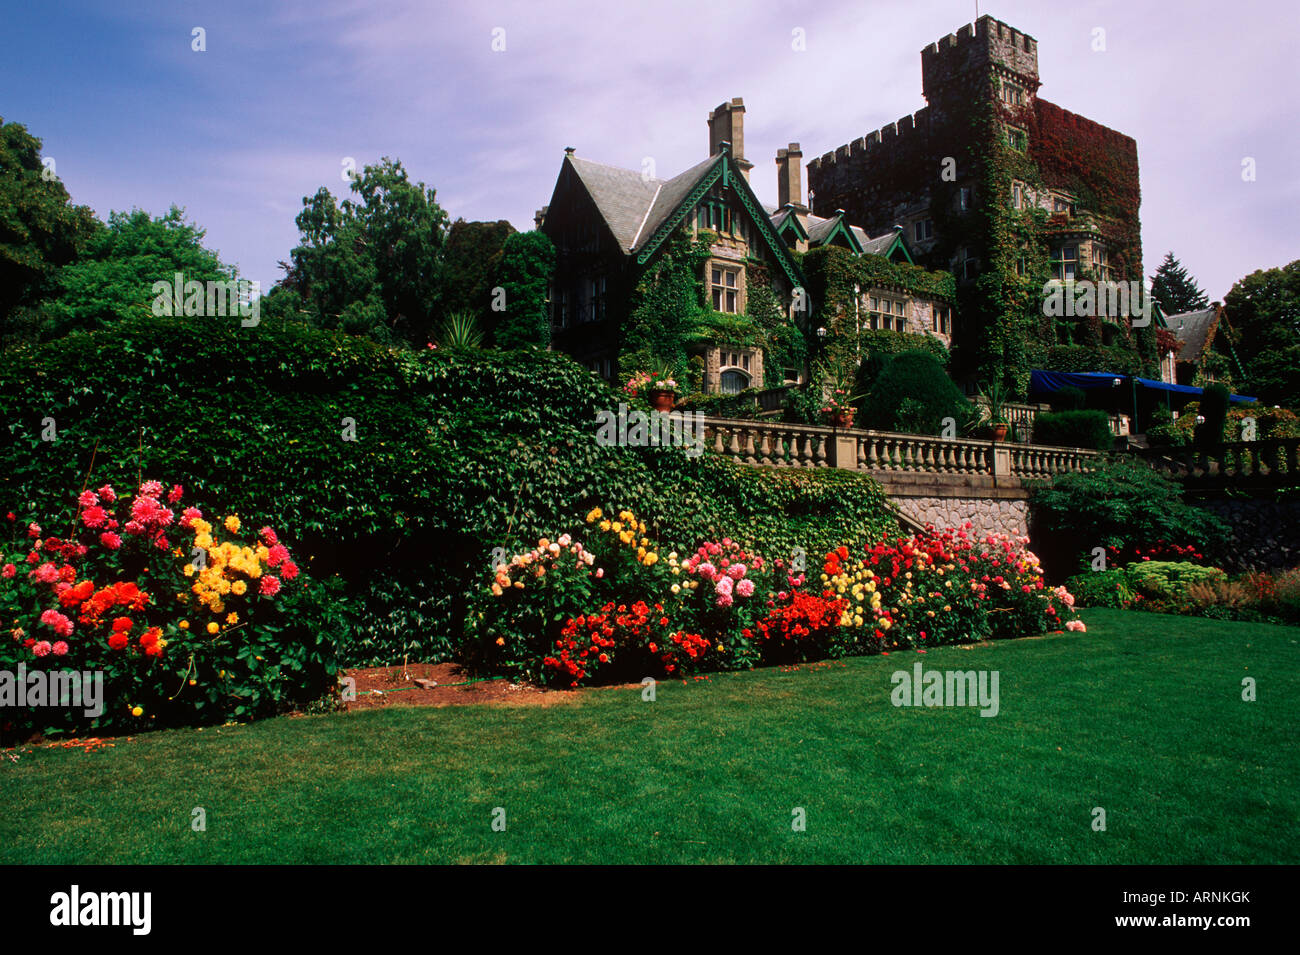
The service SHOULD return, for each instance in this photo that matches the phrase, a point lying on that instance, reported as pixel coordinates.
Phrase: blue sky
(285, 91)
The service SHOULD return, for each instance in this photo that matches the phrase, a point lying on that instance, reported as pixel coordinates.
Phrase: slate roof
(879, 245)
(623, 196)
(634, 206)
(1194, 330)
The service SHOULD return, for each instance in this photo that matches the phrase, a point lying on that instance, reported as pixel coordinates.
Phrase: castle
(988, 179)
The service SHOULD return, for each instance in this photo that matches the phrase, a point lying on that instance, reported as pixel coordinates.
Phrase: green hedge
(1074, 429)
(454, 455)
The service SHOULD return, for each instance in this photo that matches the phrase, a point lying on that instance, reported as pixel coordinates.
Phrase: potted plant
(659, 390)
(993, 399)
(839, 408)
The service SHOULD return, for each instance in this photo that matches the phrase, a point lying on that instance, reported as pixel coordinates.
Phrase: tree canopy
(1175, 289)
(40, 228)
(1263, 311)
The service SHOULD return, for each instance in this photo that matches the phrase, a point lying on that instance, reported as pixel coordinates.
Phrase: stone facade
(988, 515)
(892, 176)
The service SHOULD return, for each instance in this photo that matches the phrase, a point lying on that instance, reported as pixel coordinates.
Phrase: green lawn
(1141, 716)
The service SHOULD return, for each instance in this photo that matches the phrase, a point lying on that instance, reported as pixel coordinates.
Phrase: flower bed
(621, 611)
(183, 621)
(1182, 587)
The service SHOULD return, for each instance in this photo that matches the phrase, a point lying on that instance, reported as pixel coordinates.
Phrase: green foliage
(456, 453)
(40, 230)
(913, 394)
(879, 347)
(1069, 398)
(527, 261)
(460, 330)
(1162, 579)
(1122, 504)
(373, 264)
(1105, 358)
(1085, 428)
(114, 277)
(1264, 311)
(472, 259)
(1102, 588)
(666, 307)
(1175, 290)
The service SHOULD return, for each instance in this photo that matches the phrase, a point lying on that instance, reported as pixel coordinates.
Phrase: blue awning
(1046, 382)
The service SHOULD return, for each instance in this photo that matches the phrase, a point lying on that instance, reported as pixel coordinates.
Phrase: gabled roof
(642, 212)
(672, 195)
(1194, 330)
(823, 232)
(787, 217)
(887, 244)
(623, 196)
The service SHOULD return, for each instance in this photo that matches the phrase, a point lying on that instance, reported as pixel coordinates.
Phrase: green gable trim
(676, 217)
(841, 229)
(901, 246)
(792, 220)
(723, 170)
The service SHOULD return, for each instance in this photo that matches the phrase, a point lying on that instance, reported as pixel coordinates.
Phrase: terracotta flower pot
(842, 419)
(1000, 432)
(661, 400)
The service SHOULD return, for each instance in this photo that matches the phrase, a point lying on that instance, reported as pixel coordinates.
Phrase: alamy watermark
(59, 688)
(210, 299)
(1087, 299)
(946, 688)
(640, 429)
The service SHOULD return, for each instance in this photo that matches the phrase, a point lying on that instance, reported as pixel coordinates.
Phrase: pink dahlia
(269, 587)
(41, 648)
(110, 540)
(60, 648)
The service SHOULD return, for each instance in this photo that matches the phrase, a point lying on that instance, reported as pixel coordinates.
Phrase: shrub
(1104, 588)
(1069, 398)
(455, 454)
(1122, 504)
(1168, 580)
(913, 393)
(1074, 429)
(187, 621)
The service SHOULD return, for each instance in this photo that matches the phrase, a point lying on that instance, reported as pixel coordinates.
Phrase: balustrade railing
(778, 444)
(1267, 461)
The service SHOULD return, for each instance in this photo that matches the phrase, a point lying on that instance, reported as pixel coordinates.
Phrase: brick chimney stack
(727, 125)
(789, 178)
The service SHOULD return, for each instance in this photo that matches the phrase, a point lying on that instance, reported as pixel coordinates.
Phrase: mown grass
(1142, 716)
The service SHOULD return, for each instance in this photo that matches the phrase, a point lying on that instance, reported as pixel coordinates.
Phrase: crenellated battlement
(978, 47)
(891, 135)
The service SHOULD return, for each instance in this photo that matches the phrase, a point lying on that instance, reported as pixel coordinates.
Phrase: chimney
(789, 178)
(539, 217)
(727, 125)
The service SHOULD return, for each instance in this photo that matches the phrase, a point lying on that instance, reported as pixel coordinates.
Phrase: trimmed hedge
(1074, 429)
(399, 471)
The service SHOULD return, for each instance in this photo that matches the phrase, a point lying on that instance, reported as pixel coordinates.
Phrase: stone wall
(1265, 532)
(988, 515)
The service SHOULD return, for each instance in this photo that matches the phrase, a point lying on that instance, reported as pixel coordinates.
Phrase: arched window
(734, 382)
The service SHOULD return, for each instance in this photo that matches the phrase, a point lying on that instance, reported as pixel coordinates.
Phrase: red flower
(269, 587)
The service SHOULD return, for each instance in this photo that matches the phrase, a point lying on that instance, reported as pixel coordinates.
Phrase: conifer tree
(1175, 290)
